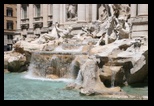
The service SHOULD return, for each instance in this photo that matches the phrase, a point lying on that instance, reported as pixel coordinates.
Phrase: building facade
(139, 20)
(36, 19)
(10, 23)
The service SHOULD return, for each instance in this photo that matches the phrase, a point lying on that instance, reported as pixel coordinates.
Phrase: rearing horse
(110, 28)
(110, 25)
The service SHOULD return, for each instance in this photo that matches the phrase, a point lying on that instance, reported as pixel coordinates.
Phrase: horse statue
(107, 31)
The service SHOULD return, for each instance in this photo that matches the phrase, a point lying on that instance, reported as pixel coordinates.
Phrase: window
(9, 37)
(9, 12)
(24, 11)
(9, 25)
(37, 10)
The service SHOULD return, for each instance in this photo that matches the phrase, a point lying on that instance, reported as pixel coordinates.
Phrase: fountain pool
(17, 86)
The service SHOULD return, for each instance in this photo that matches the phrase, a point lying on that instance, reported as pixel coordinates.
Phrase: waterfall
(31, 67)
(38, 65)
(112, 71)
(49, 65)
(74, 68)
(79, 78)
(113, 78)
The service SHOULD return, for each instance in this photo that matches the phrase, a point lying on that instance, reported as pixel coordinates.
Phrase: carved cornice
(24, 26)
(38, 25)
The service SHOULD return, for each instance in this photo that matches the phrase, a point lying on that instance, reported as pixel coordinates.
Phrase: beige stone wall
(85, 13)
(139, 20)
(14, 18)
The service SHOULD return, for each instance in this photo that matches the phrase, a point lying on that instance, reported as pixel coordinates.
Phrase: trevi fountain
(98, 61)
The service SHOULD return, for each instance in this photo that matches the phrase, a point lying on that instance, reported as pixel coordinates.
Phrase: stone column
(56, 13)
(27, 11)
(133, 10)
(61, 13)
(18, 31)
(87, 12)
(18, 15)
(41, 6)
(142, 9)
(81, 12)
(45, 18)
(94, 12)
(31, 15)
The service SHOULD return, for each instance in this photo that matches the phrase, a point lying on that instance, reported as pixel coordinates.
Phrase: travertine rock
(15, 62)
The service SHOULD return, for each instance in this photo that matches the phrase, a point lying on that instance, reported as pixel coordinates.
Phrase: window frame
(37, 10)
(9, 37)
(9, 25)
(9, 10)
(24, 13)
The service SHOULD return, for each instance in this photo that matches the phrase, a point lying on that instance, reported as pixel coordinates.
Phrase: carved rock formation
(88, 80)
(15, 62)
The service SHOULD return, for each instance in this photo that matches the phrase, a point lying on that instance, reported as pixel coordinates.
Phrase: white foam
(27, 76)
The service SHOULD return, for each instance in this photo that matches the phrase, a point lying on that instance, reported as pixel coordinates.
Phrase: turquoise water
(17, 87)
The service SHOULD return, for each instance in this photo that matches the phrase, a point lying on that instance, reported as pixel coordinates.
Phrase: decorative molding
(24, 19)
(24, 26)
(36, 17)
(50, 15)
(38, 25)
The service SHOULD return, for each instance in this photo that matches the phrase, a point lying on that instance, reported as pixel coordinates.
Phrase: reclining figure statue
(55, 34)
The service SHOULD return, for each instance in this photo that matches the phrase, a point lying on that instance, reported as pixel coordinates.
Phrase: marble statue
(116, 26)
(102, 13)
(63, 32)
(71, 12)
(85, 33)
(45, 38)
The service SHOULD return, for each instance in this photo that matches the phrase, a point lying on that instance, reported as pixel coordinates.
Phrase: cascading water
(113, 78)
(79, 78)
(112, 71)
(49, 65)
(74, 68)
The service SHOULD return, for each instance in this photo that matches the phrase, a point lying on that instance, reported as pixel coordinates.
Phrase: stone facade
(139, 20)
(41, 17)
(10, 22)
